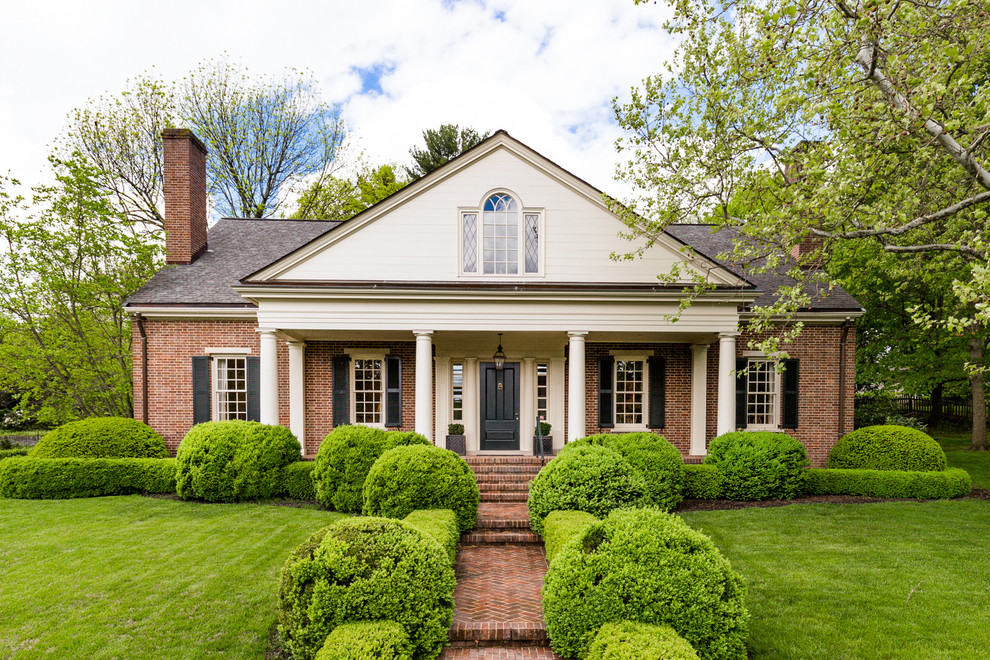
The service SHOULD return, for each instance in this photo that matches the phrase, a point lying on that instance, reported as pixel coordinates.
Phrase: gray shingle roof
(235, 248)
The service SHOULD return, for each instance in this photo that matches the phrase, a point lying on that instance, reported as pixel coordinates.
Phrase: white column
(726, 382)
(575, 386)
(297, 391)
(269, 376)
(699, 397)
(472, 387)
(527, 404)
(424, 382)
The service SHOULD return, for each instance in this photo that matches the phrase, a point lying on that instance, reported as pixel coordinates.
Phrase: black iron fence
(922, 405)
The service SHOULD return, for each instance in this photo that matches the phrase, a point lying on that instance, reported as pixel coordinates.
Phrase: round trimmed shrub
(234, 460)
(645, 566)
(758, 465)
(101, 437)
(887, 448)
(414, 477)
(344, 458)
(657, 461)
(625, 640)
(590, 478)
(366, 569)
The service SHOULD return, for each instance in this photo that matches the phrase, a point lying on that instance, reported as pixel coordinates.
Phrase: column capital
(423, 333)
(729, 335)
(294, 342)
(700, 348)
(577, 334)
(266, 331)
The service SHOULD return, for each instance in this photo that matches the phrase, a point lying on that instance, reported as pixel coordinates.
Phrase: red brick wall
(185, 195)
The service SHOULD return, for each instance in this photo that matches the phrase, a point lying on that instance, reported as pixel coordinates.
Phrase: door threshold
(500, 452)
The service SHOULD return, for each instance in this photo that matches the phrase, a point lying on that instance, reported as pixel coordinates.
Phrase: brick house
(392, 319)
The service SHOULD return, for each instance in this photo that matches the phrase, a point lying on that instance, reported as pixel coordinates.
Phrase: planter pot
(547, 445)
(457, 444)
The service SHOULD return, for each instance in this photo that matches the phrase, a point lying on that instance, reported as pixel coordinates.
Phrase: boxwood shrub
(15, 451)
(367, 640)
(440, 525)
(702, 482)
(414, 477)
(887, 448)
(657, 461)
(561, 526)
(645, 566)
(28, 477)
(366, 569)
(298, 481)
(949, 483)
(101, 437)
(758, 465)
(344, 458)
(234, 460)
(591, 478)
(628, 640)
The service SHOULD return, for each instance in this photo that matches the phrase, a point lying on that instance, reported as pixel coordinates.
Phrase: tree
(263, 135)
(338, 198)
(864, 122)
(65, 270)
(442, 144)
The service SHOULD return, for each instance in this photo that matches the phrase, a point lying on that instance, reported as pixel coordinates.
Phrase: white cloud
(544, 71)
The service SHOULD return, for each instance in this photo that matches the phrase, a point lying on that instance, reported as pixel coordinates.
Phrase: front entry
(499, 407)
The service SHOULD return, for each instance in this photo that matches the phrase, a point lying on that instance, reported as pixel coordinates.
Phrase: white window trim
(233, 354)
(629, 357)
(521, 242)
(755, 356)
(355, 356)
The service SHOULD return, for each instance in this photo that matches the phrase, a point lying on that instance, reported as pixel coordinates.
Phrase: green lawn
(135, 577)
(889, 580)
(977, 463)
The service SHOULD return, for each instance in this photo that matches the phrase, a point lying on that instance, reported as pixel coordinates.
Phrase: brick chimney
(808, 252)
(185, 196)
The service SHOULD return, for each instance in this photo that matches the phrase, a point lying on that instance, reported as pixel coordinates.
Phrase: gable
(417, 236)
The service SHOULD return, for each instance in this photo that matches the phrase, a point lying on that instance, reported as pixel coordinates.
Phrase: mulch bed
(725, 505)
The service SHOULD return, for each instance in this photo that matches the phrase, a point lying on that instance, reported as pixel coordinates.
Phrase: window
(230, 388)
(542, 390)
(761, 394)
(369, 391)
(630, 390)
(457, 392)
(509, 238)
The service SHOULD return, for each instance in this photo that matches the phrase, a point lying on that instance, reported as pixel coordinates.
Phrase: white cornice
(179, 312)
(829, 317)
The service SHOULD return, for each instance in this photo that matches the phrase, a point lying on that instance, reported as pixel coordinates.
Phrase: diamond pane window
(629, 390)
(532, 243)
(501, 235)
(231, 388)
(470, 246)
(368, 391)
(761, 394)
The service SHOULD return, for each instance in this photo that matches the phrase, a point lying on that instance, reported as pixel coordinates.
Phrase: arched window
(509, 242)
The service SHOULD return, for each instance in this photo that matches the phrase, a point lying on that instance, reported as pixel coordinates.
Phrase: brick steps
(514, 631)
(503, 477)
(501, 537)
(503, 486)
(505, 496)
(498, 651)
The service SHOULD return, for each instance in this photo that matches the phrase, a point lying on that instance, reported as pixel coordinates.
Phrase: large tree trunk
(979, 441)
(935, 414)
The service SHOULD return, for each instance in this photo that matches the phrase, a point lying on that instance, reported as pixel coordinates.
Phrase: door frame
(517, 372)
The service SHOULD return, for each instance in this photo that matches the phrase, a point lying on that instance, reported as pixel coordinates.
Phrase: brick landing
(500, 653)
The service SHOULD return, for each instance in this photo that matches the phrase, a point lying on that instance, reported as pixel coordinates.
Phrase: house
(394, 317)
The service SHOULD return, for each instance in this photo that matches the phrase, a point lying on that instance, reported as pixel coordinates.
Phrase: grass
(889, 580)
(956, 446)
(135, 577)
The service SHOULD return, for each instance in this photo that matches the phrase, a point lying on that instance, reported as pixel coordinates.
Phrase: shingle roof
(235, 248)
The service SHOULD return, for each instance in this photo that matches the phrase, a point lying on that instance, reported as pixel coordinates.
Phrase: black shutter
(606, 372)
(253, 364)
(341, 390)
(741, 384)
(789, 414)
(658, 387)
(202, 401)
(393, 390)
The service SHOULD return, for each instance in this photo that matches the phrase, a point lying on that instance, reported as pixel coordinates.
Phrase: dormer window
(500, 238)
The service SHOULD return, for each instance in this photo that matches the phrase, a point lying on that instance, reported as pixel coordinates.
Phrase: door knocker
(500, 387)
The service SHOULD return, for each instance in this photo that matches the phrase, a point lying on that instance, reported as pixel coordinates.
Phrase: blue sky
(544, 71)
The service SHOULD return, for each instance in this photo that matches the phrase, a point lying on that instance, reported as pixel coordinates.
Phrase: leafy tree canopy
(341, 198)
(442, 144)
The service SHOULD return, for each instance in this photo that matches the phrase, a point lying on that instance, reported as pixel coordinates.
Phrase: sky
(545, 71)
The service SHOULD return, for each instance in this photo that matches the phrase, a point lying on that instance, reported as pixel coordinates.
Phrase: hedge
(234, 460)
(560, 527)
(101, 437)
(949, 483)
(16, 451)
(63, 478)
(344, 459)
(628, 640)
(702, 482)
(367, 640)
(657, 461)
(414, 477)
(646, 566)
(758, 465)
(589, 478)
(887, 448)
(298, 480)
(366, 569)
(440, 525)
